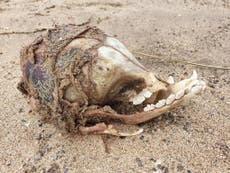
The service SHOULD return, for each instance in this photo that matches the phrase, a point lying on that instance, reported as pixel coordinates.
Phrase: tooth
(194, 75)
(170, 99)
(147, 93)
(160, 103)
(149, 107)
(152, 106)
(138, 100)
(179, 94)
(196, 89)
(146, 109)
(170, 80)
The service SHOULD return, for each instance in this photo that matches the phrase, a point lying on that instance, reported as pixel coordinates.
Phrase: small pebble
(187, 126)
(66, 170)
(40, 123)
(166, 170)
(139, 162)
(154, 170)
(180, 168)
(21, 110)
(37, 157)
(152, 159)
(142, 137)
(38, 136)
(8, 163)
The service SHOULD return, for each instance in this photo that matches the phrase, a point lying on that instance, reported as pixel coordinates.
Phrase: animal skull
(82, 73)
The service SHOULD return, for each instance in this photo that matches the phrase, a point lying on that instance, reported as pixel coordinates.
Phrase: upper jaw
(174, 92)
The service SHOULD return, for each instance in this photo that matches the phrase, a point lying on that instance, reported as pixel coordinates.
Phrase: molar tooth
(160, 103)
(170, 80)
(147, 93)
(170, 99)
(179, 94)
(194, 75)
(152, 107)
(196, 89)
(149, 107)
(138, 100)
(146, 108)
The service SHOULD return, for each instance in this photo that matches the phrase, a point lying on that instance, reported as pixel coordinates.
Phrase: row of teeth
(172, 98)
(141, 97)
(145, 94)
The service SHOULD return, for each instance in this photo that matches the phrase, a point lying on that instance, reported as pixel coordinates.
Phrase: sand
(193, 138)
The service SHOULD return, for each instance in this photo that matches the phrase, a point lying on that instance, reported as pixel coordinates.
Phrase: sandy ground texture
(193, 138)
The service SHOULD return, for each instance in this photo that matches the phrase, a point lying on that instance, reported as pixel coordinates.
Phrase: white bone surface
(116, 44)
(111, 55)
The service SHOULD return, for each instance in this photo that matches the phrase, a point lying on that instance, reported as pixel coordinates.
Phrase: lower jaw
(134, 116)
(158, 105)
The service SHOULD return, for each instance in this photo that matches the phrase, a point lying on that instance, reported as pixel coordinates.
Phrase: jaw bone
(179, 91)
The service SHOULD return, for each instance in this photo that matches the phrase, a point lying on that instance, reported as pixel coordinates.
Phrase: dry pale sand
(193, 138)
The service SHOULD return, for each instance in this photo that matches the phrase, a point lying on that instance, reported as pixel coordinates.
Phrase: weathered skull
(81, 75)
